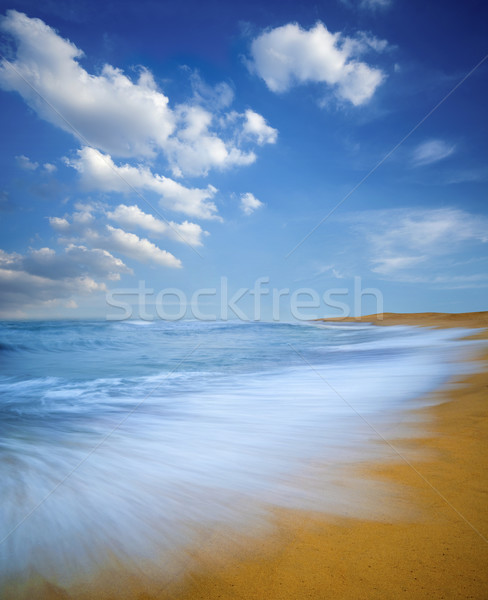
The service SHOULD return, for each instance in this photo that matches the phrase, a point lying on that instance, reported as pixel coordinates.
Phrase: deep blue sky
(282, 118)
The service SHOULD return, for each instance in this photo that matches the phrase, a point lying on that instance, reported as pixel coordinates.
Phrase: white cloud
(108, 110)
(61, 225)
(99, 172)
(141, 249)
(194, 149)
(436, 229)
(25, 163)
(289, 55)
(84, 227)
(255, 126)
(133, 216)
(249, 203)
(430, 152)
(119, 116)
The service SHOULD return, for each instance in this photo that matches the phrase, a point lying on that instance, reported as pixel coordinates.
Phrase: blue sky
(179, 143)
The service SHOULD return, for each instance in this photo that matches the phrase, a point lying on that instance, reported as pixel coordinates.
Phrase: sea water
(128, 439)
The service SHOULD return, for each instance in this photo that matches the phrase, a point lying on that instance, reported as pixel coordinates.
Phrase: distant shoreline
(427, 319)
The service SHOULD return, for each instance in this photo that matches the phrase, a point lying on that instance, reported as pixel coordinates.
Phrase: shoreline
(477, 320)
(427, 540)
(441, 552)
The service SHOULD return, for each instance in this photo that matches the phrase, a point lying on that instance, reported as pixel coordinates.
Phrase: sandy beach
(430, 540)
(441, 552)
(190, 193)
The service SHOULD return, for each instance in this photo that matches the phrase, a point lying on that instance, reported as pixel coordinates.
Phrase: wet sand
(440, 552)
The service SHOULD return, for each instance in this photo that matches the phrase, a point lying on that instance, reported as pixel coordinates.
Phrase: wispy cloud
(6, 205)
(49, 167)
(393, 264)
(368, 4)
(375, 4)
(324, 269)
(467, 175)
(431, 151)
(419, 244)
(26, 163)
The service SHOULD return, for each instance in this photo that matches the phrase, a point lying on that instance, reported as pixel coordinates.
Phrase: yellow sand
(430, 319)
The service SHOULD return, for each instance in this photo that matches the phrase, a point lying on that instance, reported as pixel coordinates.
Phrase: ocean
(126, 442)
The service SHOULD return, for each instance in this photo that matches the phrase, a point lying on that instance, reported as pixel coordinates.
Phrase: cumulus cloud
(26, 163)
(99, 172)
(249, 203)
(114, 115)
(194, 149)
(111, 112)
(289, 55)
(400, 242)
(44, 276)
(108, 110)
(431, 151)
(256, 127)
(133, 216)
(140, 249)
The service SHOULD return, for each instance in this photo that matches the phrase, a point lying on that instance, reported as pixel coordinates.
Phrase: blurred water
(208, 423)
